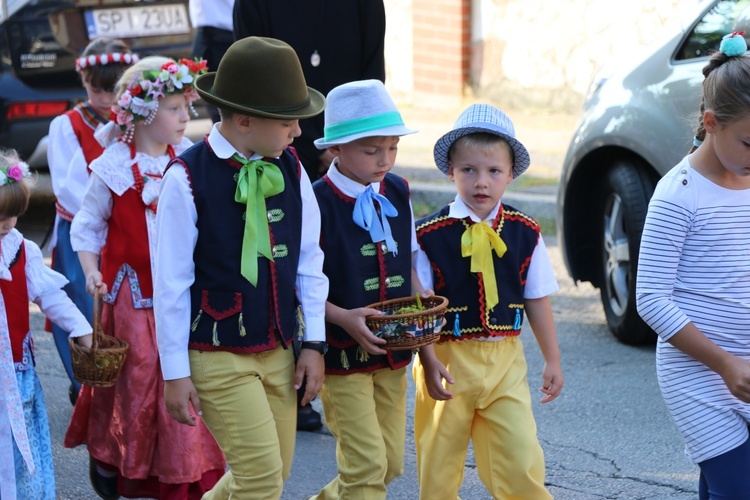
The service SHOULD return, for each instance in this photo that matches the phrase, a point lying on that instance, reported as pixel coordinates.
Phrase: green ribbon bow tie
(478, 242)
(256, 181)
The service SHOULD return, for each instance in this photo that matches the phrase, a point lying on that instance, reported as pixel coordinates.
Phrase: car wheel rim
(616, 255)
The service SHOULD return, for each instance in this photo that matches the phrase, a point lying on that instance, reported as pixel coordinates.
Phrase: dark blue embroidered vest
(359, 272)
(440, 238)
(228, 313)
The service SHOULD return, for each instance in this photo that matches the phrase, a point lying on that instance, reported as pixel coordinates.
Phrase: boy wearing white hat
(489, 260)
(368, 237)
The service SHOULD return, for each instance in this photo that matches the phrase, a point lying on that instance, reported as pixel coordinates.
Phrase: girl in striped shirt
(693, 285)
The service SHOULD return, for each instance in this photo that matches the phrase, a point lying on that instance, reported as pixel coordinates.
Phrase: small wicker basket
(409, 330)
(100, 365)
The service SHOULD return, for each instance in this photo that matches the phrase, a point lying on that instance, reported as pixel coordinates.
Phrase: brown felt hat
(262, 77)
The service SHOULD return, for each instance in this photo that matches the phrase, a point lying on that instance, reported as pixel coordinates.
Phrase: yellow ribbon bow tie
(257, 180)
(477, 242)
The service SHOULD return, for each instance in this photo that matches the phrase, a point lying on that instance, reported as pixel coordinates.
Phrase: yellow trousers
(367, 414)
(491, 405)
(250, 406)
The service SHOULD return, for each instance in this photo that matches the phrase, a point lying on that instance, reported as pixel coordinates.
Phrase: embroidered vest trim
(360, 272)
(227, 312)
(440, 238)
(16, 297)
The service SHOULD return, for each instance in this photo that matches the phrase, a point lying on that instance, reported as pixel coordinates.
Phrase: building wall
(530, 53)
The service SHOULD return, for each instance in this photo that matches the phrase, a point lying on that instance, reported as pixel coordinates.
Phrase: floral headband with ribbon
(14, 173)
(140, 101)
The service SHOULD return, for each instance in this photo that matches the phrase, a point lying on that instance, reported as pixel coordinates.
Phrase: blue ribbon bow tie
(367, 217)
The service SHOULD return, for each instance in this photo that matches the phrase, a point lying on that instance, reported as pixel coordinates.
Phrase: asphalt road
(608, 436)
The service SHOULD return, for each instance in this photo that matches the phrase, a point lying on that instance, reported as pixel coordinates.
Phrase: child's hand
(737, 378)
(177, 394)
(434, 374)
(310, 365)
(84, 340)
(353, 322)
(552, 381)
(434, 380)
(93, 281)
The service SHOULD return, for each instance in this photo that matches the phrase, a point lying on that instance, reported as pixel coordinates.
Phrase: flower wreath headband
(104, 59)
(14, 173)
(140, 101)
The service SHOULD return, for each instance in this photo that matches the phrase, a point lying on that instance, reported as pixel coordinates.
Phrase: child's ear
(450, 172)
(709, 122)
(242, 121)
(335, 150)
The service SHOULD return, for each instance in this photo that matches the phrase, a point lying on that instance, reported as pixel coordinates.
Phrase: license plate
(132, 22)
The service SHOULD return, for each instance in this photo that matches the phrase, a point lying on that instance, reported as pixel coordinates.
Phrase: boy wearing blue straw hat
(368, 238)
(489, 260)
(238, 268)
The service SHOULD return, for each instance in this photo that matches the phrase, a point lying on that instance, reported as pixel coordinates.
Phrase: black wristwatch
(321, 347)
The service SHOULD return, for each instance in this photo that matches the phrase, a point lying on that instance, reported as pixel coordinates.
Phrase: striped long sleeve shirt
(694, 266)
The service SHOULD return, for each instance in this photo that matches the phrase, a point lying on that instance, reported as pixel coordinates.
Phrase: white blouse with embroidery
(112, 173)
(44, 285)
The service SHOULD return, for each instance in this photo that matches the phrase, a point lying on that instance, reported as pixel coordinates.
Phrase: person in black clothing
(213, 34)
(337, 41)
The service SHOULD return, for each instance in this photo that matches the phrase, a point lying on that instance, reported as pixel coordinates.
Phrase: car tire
(627, 190)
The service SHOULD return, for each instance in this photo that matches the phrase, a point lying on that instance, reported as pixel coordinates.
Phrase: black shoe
(308, 419)
(105, 487)
(72, 394)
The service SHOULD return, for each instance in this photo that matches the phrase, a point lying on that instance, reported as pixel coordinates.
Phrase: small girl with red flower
(26, 469)
(136, 448)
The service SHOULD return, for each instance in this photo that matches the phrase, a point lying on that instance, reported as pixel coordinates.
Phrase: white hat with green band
(360, 109)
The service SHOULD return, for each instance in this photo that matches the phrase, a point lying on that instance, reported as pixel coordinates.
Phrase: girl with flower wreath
(26, 471)
(136, 448)
(72, 147)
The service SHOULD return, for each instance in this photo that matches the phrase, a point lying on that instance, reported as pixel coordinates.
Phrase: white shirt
(43, 284)
(540, 279)
(175, 269)
(67, 167)
(214, 13)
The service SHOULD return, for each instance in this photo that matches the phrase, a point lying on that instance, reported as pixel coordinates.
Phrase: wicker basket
(409, 330)
(100, 365)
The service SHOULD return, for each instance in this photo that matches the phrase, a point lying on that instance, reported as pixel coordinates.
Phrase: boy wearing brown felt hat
(238, 268)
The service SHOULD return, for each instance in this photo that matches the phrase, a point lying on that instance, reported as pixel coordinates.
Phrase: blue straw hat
(482, 118)
(360, 109)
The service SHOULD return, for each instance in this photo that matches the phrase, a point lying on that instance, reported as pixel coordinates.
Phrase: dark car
(40, 41)
(637, 124)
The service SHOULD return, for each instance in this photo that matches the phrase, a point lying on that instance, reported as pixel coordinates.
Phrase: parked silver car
(637, 124)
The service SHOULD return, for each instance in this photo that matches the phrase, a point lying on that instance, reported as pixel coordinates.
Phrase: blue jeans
(726, 477)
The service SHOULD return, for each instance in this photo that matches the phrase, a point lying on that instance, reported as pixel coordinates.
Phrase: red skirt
(127, 426)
